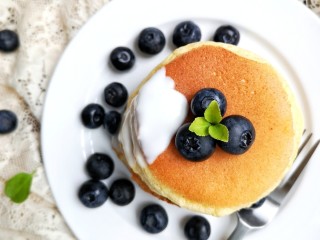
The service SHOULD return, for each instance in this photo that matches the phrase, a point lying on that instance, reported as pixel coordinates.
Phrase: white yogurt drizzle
(161, 110)
(152, 119)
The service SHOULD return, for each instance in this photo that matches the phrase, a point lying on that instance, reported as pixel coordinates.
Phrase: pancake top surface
(253, 89)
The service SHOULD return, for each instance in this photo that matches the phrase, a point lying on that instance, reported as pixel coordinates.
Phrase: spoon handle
(239, 232)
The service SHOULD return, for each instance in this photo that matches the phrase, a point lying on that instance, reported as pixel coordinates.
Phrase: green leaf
(200, 126)
(17, 188)
(219, 132)
(212, 114)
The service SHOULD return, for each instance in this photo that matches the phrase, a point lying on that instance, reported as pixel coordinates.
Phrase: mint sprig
(200, 126)
(220, 132)
(212, 114)
(17, 188)
(210, 124)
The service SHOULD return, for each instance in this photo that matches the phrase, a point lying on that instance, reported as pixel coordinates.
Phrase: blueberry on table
(9, 41)
(241, 134)
(8, 121)
(154, 218)
(92, 115)
(204, 97)
(122, 192)
(115, 94)
(99, 166)
(192, 146)
(151, 40)
(112, 120)
(227, 34)
(93, 193)
(122, 58)
(197, 228)
(186, 32)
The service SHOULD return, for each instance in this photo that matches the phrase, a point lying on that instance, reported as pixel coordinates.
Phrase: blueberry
(92, 115)
(122, 192)
(122, 58)
(151, 40)
(227, 34)
(112, 121)
(93, 193)
(241, 134)
(99, 166)
(197, 228)
(258, 203)
(115, 94)
(204, 97)
(8, 121)
(193, 147)
(153, 218)
(9, 41)
(186, 32)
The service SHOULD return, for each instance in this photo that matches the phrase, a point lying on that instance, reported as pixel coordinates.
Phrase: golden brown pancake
(254, 89)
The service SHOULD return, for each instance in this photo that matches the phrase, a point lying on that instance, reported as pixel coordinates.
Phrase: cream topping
(152, 119)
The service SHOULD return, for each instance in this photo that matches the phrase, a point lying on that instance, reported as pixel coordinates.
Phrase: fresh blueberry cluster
(99, 166)
(93, 193)
(94, 115)
(198, 148)
(151, 41)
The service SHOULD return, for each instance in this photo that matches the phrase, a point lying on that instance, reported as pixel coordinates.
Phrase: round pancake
(253, 88)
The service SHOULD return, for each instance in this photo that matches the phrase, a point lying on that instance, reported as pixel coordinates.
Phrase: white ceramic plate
(285, 32)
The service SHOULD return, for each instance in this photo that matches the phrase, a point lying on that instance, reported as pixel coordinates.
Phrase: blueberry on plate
(153, 218)
(122, 58)
(122, 192)
(99, 166)
(186, 32)
(9, 41)
(115, 94)
(8, 121)
(204, 97)
(197, 228)
(227, 34)
(112, 120)
(92, 115)
(151, 40)
(258, 203)
(192, 146)
(93, 193)
(241, 134)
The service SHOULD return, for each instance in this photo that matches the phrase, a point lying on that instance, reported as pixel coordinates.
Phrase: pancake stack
(224, 183)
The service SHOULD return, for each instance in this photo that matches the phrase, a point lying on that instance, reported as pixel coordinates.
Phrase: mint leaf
(219, 132)
(18, 187)
(200, 126)
(212, 114)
